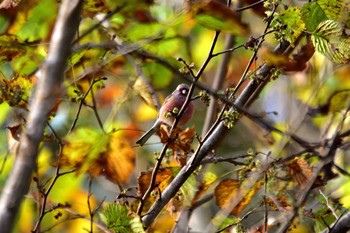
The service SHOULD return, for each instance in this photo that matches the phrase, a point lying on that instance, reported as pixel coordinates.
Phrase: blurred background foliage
(109, 75)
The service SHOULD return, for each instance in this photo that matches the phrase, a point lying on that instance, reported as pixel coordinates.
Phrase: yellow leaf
(117, 163)
(99, 154)
(228, 190)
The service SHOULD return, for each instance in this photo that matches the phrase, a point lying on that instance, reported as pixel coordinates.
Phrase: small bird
(169, 110)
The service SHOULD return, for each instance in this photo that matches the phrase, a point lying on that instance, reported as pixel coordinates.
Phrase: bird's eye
(184, 91)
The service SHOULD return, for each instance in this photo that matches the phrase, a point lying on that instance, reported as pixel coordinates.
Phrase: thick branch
(47, 92)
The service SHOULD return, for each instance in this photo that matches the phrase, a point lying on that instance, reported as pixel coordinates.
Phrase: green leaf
(333, 9)
(4, 23)
(119, 218)
(328, 41)
(159, 75)
(139, 31)
(312, 15)
(39, 22)
(28, 63)
(76, 57)
(289, 25)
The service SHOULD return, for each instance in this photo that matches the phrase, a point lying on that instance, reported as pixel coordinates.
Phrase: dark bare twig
(236, 223)
(250, 6)
(82, 101)
(91, 214)
(94, 108)
(45, 194)
(73, 216)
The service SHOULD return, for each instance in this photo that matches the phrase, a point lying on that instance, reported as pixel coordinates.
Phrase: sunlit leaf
(334, 103)
(159, 75)
(328, 40)
(27, 214)
(162, 180)
(333, 9)
(76, 57)
(227, 191)
(92, 7)
(117, 163)
(4, 23)
(138, 31)
(28, 63)
(288, 25)
(99, 154)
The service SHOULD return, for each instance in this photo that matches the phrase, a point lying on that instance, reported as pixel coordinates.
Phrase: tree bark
(47, 92)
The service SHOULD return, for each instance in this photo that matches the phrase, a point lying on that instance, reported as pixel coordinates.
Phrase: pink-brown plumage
(168, 112)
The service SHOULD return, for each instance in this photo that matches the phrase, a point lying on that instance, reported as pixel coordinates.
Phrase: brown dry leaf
(300, 171)
(181, 146)
(163, 179)
(296, 63)
(228, 190)
(164, 176)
